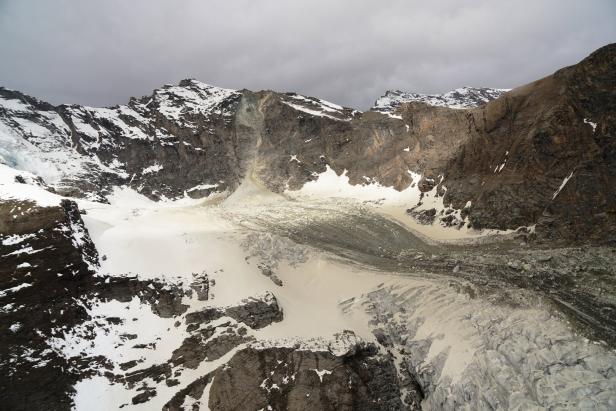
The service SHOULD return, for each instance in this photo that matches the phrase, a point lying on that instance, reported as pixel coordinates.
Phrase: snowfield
(320, 296)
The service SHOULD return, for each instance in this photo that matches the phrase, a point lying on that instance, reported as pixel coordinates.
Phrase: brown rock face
(509, 158)
(544, 132)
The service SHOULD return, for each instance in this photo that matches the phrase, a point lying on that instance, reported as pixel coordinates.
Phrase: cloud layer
(349, 52)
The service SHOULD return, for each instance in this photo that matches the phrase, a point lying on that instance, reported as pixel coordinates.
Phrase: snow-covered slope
(85, 151)
(465, 97)
(34, 137)
(214, 282)
(317, 107)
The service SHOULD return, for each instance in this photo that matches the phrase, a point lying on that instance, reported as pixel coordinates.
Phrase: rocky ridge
(464, 97)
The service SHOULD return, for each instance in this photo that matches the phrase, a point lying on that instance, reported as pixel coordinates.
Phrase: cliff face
(541, 154)
(47, 262)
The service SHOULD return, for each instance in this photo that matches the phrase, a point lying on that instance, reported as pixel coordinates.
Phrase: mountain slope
(543, 153)
(508, 158)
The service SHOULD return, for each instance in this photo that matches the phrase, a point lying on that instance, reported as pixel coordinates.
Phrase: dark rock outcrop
(47, 286)
(542, 154)
(255, 312)
(46, 261)
(287, 378)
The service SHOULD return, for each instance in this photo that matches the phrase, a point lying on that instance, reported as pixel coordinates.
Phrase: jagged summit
(464, 97)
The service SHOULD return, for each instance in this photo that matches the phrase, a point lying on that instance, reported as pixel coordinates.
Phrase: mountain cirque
(203, 247)
(512, 154)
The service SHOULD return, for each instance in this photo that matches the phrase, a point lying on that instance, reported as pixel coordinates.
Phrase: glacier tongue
(462, 350)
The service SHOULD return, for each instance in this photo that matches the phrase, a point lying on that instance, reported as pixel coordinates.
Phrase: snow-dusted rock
(464, 97)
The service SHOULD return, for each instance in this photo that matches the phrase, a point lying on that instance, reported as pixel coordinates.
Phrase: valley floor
(456, 320)
(304, 301)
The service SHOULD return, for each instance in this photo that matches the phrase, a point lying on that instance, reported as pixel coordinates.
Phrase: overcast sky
(349, 52)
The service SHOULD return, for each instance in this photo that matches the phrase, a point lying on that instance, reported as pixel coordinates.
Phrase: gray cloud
(350, 52)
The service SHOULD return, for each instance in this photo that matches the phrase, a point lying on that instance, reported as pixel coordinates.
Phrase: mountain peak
(463, 97)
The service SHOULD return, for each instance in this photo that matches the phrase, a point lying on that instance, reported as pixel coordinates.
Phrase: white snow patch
(154, 168)
(12, 190)
(84, 128)
(136, 318)
(15, 327)
(331, 185)
(7, 291)
(500, 167)
(593, 125)
(14, 105)
(203, 187)
(321, 373)
(98, 394)
(16, 239)
(312, 112)
(562, 185)
(315, 107)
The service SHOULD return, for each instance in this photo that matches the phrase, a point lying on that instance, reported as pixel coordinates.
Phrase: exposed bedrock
(297, 379)
(46, 260)
(256, 312)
